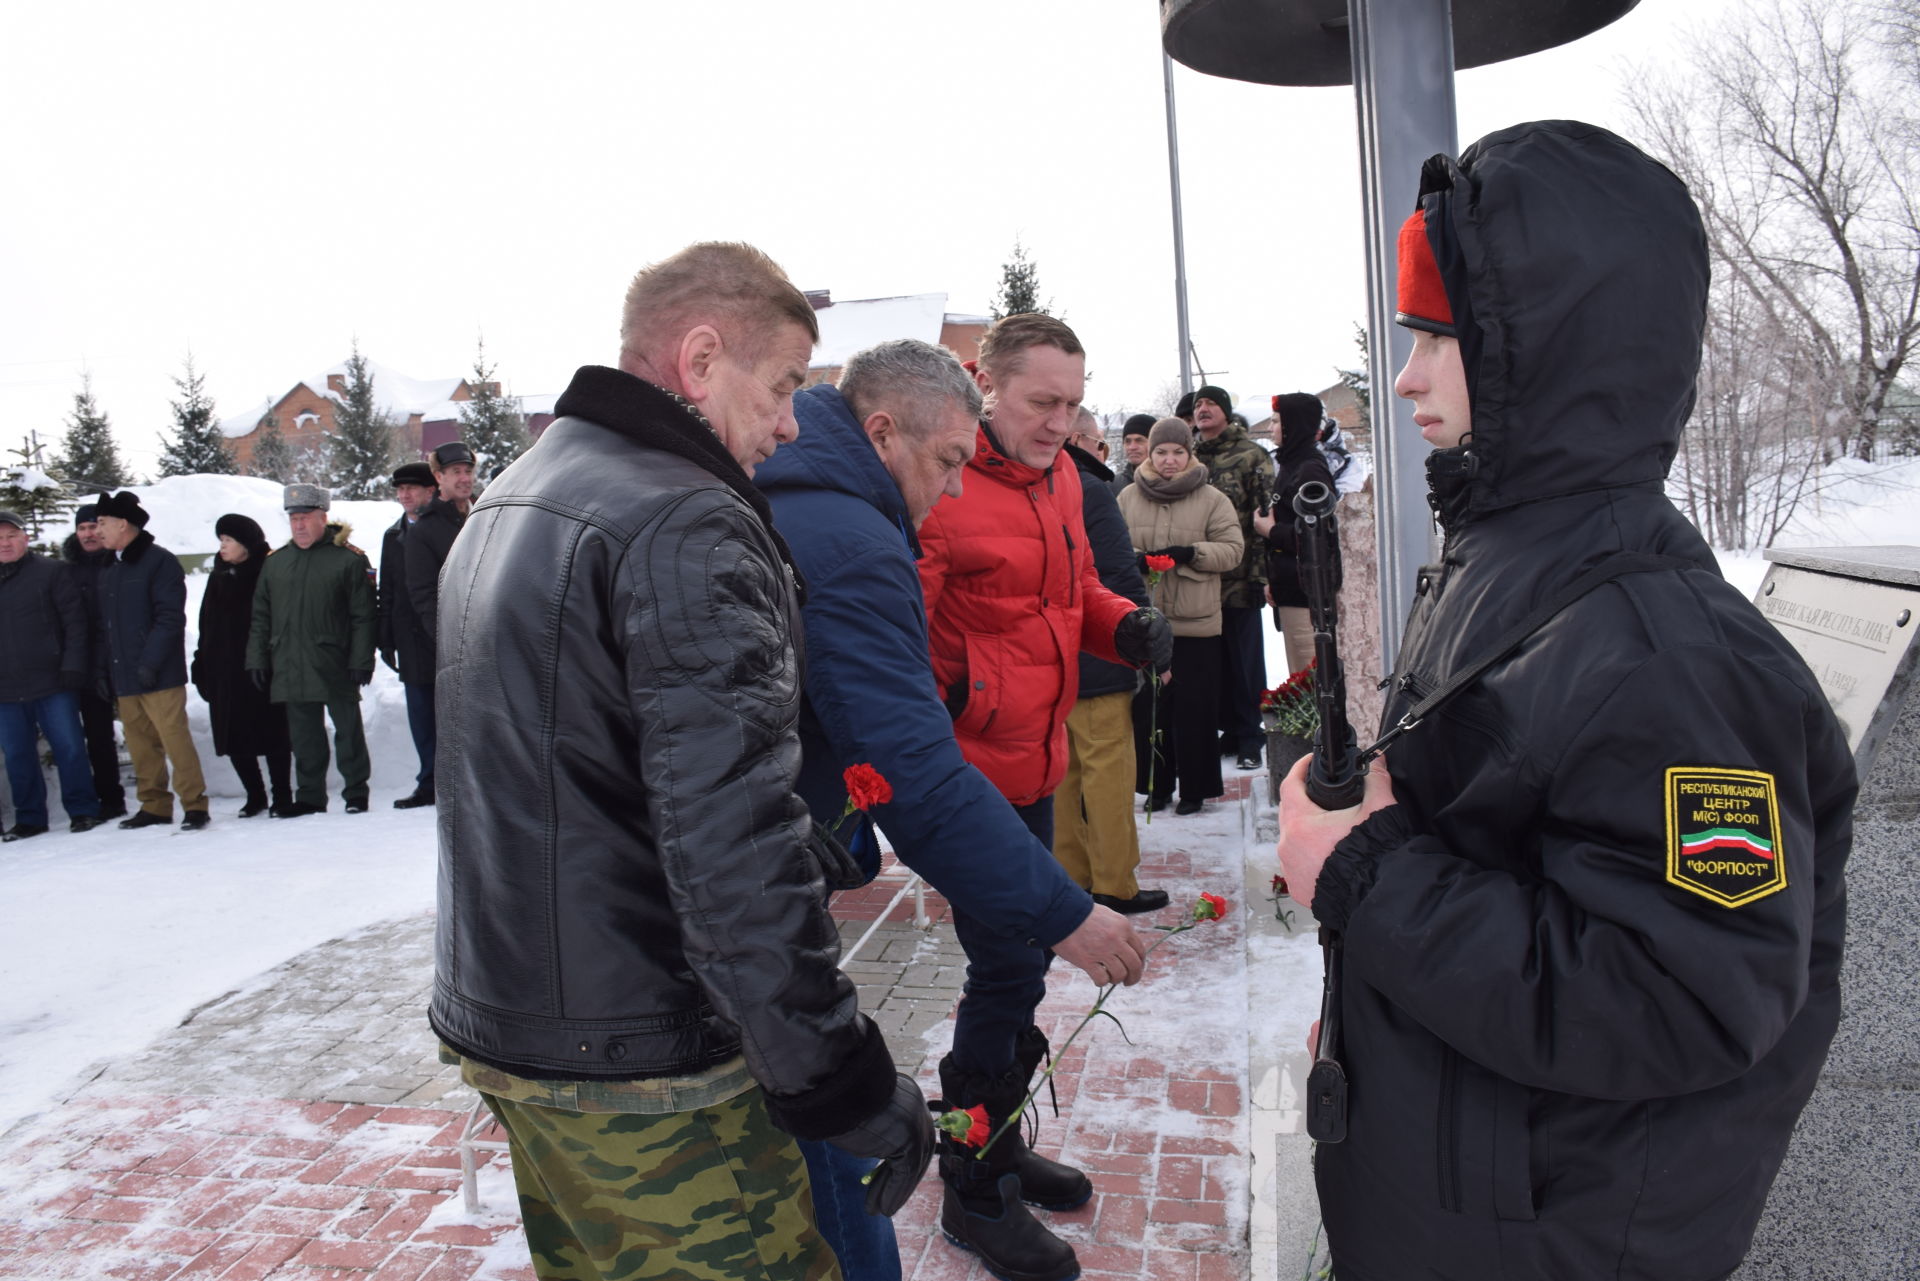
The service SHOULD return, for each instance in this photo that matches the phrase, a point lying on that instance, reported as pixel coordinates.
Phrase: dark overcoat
(245, 722)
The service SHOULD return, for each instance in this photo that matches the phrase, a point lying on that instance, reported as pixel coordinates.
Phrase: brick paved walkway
(302, 1128)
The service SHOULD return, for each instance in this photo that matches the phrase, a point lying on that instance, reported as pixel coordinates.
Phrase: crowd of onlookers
(287, 639)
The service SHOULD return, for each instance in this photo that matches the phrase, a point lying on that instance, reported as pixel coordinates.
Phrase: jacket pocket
(981, 685)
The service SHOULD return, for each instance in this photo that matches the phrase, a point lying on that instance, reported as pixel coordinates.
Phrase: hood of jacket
(833, 454)
(1576, 267)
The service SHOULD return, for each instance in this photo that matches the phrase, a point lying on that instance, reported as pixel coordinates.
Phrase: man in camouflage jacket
(1241, 470)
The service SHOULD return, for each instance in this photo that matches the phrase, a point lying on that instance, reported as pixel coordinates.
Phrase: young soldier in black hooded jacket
(1592, 908)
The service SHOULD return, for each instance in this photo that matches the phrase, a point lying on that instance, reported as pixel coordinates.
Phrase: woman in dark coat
(245, 724)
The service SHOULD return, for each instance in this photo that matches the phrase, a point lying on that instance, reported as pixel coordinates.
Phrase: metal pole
(1403, 79)
(1179, 235)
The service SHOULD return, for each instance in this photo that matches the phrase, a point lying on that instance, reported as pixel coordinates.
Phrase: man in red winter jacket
(1012, 599)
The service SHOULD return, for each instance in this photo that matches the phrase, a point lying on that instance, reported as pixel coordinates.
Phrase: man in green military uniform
(312, 647)
(1241, 470)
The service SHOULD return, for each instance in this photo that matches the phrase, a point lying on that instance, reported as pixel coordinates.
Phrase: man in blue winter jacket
(872, 459)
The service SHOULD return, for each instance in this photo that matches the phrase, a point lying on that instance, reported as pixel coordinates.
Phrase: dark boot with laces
(984, 1208)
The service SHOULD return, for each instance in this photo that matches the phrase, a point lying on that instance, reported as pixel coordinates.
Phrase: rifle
(1335, 777)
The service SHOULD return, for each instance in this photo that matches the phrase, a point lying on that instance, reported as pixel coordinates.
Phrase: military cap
(454, 451)
(413, 474)
(306, 498)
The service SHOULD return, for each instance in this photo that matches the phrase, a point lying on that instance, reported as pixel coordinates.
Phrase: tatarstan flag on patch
(1722, 838)
(1723, 834)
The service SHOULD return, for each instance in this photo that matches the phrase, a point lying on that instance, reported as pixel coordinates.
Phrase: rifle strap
(1606, 571)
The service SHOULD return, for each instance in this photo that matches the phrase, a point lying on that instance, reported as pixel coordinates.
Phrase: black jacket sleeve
(71, 610)
(715, 689)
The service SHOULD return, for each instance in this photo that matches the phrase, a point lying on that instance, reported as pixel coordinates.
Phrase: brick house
(425, 411)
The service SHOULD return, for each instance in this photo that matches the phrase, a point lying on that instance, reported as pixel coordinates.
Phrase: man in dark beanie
(1297, 458)
(143, 610)
(43, 664)
(1242, 471)
(1133, 447)
(87, 557)
(1591, 907)
(405, 644)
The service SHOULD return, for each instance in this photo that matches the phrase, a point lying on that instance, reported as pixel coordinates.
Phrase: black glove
(387, 657)
(900, 1135)
(1144, 639)
(147, 677)
(362, 677)
(258, 675)
(74, 680)
(1182, 555)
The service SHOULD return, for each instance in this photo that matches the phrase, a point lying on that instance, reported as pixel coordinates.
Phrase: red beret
(1423, 299)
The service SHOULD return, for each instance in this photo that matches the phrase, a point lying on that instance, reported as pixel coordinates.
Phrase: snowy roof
(847, 327)
(395, 393)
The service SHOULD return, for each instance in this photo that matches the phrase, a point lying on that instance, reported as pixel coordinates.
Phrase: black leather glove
(74, 680)
(901, 1137)
(258, 675)
(392, 662)
(362, 677)
(1144, 639)
(1182, 555)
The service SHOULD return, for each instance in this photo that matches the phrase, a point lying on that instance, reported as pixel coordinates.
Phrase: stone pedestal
(1847, 1201)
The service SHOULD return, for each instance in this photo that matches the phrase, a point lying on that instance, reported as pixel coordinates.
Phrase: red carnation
(969, 1127)
(866, 787)
(1159, 564)
(1211, 907)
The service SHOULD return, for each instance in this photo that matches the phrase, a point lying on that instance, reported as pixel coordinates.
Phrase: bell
(1304, 42)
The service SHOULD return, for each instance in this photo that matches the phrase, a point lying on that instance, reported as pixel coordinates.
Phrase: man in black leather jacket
(632, 910)
(1592, 910)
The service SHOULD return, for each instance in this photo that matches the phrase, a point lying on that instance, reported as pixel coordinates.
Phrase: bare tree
(1811, 194)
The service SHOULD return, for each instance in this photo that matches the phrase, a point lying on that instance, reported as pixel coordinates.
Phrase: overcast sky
(260, 184)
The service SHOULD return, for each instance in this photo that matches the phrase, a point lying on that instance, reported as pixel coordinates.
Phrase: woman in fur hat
(246, 725)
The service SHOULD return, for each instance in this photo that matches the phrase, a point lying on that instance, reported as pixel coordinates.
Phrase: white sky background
(263, 183)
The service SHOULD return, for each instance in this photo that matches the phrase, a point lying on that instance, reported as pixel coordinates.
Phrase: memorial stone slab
(1845, 1202)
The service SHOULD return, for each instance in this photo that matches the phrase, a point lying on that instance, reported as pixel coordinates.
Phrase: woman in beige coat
(1172, 511)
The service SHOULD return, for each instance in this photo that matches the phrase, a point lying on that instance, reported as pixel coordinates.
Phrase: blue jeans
(58, 717)
(864, 1243)
(421, 722)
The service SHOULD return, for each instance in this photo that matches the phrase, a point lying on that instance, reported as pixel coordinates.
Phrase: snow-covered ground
(110, 938)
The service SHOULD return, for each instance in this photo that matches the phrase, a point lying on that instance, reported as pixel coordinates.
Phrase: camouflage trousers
(717, 1193)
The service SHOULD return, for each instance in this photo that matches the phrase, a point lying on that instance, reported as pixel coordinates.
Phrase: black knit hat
(1217, 395)
(1138, 425)
(85, 512)
(125, 505)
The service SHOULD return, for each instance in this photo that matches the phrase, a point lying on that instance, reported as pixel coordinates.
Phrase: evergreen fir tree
(363, 445)
(273, 457)
(198, 448)
(31, 488)
(490, 423)
(1360, 381)
(90, 458)
(1019, 287)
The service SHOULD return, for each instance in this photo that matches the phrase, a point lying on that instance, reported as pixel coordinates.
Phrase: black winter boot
(981, 1212)
(1043, 1183)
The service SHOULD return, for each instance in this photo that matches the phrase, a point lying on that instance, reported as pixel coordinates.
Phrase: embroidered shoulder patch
(1723, 834)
